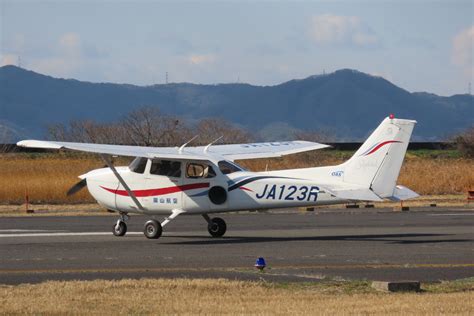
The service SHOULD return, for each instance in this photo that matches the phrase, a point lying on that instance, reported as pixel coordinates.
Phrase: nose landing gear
(120, 228)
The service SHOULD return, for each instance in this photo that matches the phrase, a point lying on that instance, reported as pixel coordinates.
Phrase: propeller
(77, 187)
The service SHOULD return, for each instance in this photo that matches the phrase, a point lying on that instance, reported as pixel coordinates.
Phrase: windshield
(227, 167)
(138, 165)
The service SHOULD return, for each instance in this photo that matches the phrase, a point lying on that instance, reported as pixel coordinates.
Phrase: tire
(217, 227)
(152, 229)
(119, 229)
(217, 195)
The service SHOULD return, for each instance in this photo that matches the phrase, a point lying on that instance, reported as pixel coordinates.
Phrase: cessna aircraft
(205, 180)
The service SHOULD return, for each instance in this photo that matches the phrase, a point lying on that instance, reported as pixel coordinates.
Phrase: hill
(348, 102)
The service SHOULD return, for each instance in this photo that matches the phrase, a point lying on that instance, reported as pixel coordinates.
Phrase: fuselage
(198, 187)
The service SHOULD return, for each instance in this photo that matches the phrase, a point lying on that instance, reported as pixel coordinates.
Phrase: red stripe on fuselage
(381, 145)
(161, 191)
(245, 189)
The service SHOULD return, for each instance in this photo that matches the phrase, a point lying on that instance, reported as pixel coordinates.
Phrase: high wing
(230, 152)
(263, 150)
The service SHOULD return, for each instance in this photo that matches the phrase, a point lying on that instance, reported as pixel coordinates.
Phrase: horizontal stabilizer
(402, 193)
(354, 194)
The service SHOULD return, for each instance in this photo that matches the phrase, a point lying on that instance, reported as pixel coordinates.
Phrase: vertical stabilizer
(376, 165)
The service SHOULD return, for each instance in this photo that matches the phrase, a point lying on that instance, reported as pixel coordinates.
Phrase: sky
(418, 45)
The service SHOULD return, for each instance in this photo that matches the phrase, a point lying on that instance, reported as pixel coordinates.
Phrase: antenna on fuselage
(180, 150)
(212, 143)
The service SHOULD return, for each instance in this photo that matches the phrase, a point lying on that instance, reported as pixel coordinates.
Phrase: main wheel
(152, 229)
(217, 227)
(119, 229)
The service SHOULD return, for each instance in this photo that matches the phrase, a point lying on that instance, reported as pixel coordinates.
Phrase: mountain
(348, 102)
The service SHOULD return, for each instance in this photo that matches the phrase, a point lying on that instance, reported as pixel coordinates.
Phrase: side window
(138, 165)
(194, 170)
(210, 172)
(197, 170)
(226, 167)
(166, 168)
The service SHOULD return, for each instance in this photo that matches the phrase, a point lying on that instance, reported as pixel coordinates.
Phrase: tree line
(148, 126)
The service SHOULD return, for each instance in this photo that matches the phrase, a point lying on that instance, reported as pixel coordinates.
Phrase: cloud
(8, 59)
(66, 58)
(201, 59)
(328, 29)
(462, 51)
(70, 44)
(59, 66)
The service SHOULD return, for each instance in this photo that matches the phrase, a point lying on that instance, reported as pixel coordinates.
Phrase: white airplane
(205, 179)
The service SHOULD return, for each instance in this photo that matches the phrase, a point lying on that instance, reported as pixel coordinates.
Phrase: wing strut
(122, 182)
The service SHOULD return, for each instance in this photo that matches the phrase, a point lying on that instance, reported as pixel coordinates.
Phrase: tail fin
(376, 165)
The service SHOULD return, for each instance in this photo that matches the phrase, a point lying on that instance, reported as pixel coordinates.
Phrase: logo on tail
(377, 146)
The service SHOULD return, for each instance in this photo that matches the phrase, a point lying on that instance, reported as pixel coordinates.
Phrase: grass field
(219, 296)
(47, 177)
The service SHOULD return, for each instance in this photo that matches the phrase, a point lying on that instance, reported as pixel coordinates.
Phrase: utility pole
(19, 62)
(166, 78)
(469, 89)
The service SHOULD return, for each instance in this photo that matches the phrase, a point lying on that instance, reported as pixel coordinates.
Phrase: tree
(212, 128)
(6, 136)
(318, 136)
(148, 127)
(465, 142)
(86, 131)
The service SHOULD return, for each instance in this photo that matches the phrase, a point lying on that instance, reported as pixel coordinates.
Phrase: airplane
(206, 180)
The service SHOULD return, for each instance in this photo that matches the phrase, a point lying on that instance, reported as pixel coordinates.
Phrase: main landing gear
(215, 226)
(153, 229)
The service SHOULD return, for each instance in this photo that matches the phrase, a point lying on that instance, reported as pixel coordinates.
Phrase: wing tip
(31, 143)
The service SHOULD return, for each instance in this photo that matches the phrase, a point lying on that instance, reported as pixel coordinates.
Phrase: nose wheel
(120, 228)
(215, 226)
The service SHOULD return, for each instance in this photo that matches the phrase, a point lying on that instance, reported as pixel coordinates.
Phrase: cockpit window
(138, 165)
(166, 168)
(227, 167)
(198, 170)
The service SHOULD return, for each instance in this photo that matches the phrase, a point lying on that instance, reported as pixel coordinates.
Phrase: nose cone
(100, 183)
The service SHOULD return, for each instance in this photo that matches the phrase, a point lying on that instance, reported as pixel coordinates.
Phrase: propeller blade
(77, 187)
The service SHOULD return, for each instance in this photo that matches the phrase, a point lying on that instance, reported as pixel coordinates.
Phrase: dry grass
(216, 297)
(438, 176)
(47, 178)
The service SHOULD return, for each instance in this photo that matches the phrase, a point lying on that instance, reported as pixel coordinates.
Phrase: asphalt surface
(425, 245)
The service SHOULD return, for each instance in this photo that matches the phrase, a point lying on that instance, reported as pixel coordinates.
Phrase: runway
(425, 245)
